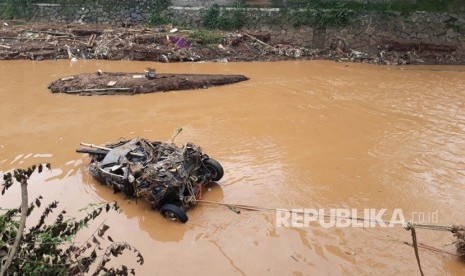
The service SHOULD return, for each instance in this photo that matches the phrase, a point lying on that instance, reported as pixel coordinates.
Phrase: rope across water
(458, 231)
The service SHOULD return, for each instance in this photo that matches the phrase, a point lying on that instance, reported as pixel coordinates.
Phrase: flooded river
(296, 135)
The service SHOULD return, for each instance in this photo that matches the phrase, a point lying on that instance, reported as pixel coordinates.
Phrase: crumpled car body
(169, 177)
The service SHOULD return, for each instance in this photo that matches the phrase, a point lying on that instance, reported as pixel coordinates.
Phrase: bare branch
(22, 224)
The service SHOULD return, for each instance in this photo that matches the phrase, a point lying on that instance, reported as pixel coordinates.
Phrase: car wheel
(173, 212)
(215, 168)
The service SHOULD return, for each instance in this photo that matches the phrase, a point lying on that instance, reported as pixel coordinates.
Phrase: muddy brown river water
(308, 134)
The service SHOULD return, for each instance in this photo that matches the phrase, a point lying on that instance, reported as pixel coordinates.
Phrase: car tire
(215, 168)
(174, 212)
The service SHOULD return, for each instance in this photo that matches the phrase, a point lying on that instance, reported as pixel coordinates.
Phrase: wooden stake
(90, 42)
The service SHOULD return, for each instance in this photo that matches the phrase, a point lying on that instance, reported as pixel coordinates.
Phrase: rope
(191, 199)
(434, 249)
(411, 227)
(431, 227)
(406, 225)
(403, 224)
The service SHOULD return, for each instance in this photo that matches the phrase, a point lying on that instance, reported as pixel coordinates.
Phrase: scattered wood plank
(108, 149)
(94, 146)
(261, 42)
(86, 32)
(5, 46)
(49, 33)
(99, 90)
(68, 50)
(111, 83)
(90, 42)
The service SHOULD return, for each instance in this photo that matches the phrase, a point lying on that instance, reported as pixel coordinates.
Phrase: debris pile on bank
(107, 83)
(168, 44)
(392, 53)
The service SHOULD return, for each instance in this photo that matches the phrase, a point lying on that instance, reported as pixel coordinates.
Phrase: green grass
(207, 37)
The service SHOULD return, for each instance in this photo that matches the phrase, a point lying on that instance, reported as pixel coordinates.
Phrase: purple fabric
(179, 42)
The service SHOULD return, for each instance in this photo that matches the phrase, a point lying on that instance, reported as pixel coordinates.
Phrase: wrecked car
(169, 177)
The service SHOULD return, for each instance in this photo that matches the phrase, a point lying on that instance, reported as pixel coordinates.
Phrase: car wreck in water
(169, 177)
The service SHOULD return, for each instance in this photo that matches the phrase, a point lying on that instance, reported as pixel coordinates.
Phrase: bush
(219, 18)
(317, 14)
(157, 10)
(12, 9)
(47, 249)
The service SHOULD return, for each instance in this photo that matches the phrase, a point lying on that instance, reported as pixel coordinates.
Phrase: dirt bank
(36, 41)
(134, 83)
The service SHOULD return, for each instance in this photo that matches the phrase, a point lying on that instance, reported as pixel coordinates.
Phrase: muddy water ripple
(297, 135)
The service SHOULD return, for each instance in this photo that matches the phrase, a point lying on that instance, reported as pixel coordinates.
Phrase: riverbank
(49, 41)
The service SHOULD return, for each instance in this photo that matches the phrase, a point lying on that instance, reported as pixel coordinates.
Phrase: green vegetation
(316, 13)
(158, 18)
(318, 16)
(411, 6)
(11, 9)
(207, 37)
(393, 5)
(47, 248)
(15, 9)
(459, 28)
(217, 17)
(321, 13)
(23, 9)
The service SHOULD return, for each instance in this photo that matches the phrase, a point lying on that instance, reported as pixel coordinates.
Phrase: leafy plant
(211, 17)
(457, 28)
(157, 10)
(157, 19)
(316, 13)
(48, 248)
(16, 9)
(217, 17)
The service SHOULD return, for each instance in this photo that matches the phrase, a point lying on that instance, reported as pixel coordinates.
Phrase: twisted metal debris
(158, 172)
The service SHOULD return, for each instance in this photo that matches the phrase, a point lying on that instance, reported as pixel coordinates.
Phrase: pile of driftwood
(73, 41)
(103, 83)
